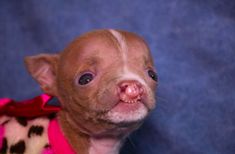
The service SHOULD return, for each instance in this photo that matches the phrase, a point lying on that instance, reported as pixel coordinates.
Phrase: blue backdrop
(193, 44)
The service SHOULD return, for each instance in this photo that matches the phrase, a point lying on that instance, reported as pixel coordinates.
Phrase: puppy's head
(105, 80)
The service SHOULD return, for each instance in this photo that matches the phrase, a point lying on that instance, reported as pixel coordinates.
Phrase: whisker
(162, 99)
(162, 103)
(131, 142)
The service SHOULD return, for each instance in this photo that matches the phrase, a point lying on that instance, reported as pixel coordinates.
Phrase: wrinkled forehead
(107, 46)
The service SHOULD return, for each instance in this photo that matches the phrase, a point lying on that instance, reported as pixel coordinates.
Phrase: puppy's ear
(43, 68)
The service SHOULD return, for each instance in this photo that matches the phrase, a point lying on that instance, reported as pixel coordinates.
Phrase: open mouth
(131, 101)
(128, 111)
(130, 106)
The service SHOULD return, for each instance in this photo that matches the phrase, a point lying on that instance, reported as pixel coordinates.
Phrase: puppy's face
(105, 80)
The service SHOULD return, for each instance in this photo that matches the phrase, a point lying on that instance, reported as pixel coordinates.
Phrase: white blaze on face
(122, 45)
(127, 74)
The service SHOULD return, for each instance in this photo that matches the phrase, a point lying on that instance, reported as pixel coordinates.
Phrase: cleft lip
(130, 101)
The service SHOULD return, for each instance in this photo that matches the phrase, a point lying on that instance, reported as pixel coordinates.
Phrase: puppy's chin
(126, 113)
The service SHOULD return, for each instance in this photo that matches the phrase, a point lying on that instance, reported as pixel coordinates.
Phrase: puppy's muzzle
(130, 91)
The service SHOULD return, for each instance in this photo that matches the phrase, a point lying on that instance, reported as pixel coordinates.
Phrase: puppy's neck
(78, 140)
(85, 144)
(104, 146)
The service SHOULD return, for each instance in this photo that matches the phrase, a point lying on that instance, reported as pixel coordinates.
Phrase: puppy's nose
(130, 91)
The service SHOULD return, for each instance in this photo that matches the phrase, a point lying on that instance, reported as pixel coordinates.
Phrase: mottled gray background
(193, 44)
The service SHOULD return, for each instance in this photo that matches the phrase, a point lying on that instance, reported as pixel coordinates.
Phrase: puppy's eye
(85, 78)
(153, 75)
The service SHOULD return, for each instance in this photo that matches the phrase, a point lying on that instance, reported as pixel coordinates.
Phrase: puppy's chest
(23, 136)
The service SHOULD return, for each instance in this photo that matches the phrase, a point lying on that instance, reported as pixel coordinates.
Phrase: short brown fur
(84, 108)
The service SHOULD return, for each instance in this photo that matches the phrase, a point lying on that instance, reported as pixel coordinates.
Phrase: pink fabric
(48, 151)
(33, 108)
(1, 135)
(4, 101)
(57, 140)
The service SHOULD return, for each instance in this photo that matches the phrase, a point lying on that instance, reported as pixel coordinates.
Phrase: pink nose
(130, 90)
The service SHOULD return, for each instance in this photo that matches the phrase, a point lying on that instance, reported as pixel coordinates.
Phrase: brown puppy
(105, 82)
